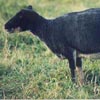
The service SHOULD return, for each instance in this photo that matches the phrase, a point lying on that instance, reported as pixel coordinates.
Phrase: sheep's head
(20, 21)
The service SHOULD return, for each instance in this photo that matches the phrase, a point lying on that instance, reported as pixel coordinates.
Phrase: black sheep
(63, 35)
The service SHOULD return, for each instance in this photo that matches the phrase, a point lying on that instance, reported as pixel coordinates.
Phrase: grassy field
(29, 70)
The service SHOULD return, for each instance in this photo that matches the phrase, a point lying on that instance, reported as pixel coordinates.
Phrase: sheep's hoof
(74, 80)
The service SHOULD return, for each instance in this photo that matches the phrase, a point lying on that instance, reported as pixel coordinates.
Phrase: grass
(29, 70)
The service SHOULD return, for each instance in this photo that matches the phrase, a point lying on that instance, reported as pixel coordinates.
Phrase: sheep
(67, 36)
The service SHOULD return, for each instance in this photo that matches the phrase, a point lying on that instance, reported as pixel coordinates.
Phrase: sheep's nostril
(6, 27)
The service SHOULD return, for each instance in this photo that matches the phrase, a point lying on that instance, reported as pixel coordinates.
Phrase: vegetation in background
(29, 70)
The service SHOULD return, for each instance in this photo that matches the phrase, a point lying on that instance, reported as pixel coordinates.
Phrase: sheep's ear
(29, 7)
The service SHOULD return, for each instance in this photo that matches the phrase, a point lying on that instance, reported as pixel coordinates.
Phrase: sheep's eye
(20, 16)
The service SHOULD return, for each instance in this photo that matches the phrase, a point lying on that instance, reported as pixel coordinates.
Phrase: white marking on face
(18, 29)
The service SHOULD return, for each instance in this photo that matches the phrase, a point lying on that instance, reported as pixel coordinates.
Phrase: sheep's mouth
(12, 30)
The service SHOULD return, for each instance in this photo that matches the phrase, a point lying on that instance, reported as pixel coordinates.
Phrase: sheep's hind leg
(79, 70)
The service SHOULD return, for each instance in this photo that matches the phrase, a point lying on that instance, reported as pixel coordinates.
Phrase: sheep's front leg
(79, 70)
(72, 64)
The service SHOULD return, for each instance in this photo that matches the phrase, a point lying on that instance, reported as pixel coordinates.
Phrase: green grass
(29, 70)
